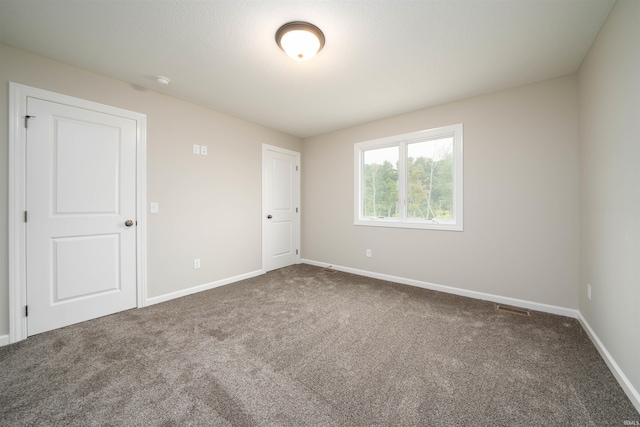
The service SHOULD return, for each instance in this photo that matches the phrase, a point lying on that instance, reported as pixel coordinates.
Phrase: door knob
(128, 223)
(269, 216)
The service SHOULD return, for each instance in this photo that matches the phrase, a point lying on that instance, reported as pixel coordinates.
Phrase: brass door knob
(128, 223)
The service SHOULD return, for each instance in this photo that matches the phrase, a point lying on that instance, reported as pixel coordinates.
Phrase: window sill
(421, 225)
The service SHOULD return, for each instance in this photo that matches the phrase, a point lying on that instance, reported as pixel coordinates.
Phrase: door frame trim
(265, 148)
(18, 95)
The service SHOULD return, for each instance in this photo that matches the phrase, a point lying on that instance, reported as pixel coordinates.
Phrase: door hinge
(25, 216)
(296, 210)
(26, 311)
(296, 168)
(26, 121)
(296, 252)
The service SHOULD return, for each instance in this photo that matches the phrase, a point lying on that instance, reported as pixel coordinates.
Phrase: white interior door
(280, 207)
(81, 214)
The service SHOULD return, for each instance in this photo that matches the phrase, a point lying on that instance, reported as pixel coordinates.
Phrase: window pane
(380, 182)
(430, 179)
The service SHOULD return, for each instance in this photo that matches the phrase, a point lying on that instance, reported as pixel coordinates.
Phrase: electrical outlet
(196, 263)
(196, 149)
(203, 150)
(589, 292)
(368, 253)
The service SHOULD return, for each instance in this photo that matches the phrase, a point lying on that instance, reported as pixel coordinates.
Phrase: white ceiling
(381, 58)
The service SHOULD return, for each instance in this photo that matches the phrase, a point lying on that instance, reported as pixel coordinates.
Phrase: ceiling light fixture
(162, 80)
(300, 40)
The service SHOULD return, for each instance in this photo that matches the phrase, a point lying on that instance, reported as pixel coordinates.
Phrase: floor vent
(513, 310)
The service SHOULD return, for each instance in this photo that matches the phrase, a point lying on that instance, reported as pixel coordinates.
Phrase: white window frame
(401, 141)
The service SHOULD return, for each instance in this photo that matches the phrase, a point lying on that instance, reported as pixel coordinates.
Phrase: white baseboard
(4, 340)
(546, 308)
(624, 382)
(200, 288)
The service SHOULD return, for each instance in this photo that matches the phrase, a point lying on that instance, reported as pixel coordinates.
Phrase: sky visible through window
(380, 155)
(430, 149)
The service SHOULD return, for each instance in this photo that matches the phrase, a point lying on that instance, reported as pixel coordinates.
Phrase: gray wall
(520, 237)
(609, 88)
(210, 207)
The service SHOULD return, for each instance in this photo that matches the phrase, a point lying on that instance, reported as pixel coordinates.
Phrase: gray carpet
(300, 346)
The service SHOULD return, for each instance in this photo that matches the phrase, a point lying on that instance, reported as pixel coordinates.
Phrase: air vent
(513, 310)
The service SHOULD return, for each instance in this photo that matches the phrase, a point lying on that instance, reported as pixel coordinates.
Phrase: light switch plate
(153, 207)
(196, 149)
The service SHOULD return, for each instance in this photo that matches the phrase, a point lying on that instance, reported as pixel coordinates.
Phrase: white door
(280, 207)
(81, 214)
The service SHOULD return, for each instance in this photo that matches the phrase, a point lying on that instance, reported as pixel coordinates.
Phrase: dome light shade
(300, 40)
(162, 80)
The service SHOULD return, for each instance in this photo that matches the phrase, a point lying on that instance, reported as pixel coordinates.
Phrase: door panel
(282, 238)
(281, 183)
(84, 266)
(81, 181)
(282, 190)
(90, 185)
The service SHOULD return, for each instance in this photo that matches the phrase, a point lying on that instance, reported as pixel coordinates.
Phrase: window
(411, 181)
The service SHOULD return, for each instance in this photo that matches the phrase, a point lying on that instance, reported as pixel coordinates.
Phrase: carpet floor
(304, 347)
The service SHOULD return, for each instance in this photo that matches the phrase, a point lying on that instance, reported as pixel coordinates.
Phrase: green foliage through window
(381, 183)
(430, 181)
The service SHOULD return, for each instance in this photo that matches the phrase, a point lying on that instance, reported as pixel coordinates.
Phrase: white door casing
(280, 207)
(78, 171)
